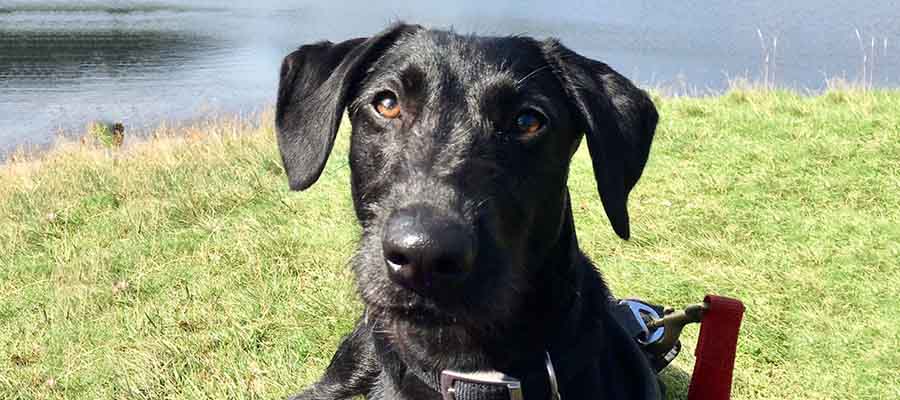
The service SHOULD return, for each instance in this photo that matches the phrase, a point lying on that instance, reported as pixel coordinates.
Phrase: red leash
(716, 347)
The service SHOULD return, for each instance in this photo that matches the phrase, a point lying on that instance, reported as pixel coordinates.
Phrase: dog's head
(459, 155)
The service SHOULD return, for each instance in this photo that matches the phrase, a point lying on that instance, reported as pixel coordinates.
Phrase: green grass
(183, 267)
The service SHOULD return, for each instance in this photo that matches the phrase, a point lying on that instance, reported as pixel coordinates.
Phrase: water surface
(64, 63)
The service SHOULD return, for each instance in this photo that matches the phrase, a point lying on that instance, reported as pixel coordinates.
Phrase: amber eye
(529, 122)
(387, 105)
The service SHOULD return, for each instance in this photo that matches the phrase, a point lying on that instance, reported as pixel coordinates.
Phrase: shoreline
(134, 134)
(256, 116)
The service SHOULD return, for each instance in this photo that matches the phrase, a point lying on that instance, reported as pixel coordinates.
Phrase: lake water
(64, 63)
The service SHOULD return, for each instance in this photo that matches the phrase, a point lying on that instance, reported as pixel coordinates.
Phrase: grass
(182, 267)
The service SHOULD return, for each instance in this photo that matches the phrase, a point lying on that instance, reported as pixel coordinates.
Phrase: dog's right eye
(386, 105)
(530, 122)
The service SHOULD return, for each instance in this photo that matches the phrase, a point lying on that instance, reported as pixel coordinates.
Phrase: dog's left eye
(529, 122)
(387, 105)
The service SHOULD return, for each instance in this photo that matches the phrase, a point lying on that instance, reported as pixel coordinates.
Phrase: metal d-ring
(638, 308)
(551, 373)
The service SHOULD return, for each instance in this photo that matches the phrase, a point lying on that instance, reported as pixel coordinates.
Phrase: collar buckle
(513, 385)
(449, 377)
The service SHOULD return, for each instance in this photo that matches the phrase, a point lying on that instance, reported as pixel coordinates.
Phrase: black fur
(456, 149)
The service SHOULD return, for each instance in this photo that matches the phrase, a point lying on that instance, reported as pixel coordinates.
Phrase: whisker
(532, 73)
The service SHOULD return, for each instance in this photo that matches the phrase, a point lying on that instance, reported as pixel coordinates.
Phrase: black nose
(425, 250)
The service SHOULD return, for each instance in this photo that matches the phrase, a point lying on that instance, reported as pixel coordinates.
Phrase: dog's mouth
(478, 305)
(466, 308)
(413, 308)
(422, 316)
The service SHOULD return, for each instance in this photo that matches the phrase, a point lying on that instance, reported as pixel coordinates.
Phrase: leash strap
(716, 348)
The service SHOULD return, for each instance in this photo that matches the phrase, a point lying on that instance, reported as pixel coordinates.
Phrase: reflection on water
(111, 7)
(64, 63)
(48, 59)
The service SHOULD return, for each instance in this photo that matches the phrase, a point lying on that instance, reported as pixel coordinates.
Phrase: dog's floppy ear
(619, 121)
(313, 91)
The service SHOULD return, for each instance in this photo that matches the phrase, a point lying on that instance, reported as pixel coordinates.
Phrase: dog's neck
(553, 310)
(555, 305)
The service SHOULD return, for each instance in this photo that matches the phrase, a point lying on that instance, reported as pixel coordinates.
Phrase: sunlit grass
(182, 267)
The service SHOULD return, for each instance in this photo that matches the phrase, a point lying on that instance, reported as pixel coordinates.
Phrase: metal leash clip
(667, 330)
(657, 329)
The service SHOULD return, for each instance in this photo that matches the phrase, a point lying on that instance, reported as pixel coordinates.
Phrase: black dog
(468, 259)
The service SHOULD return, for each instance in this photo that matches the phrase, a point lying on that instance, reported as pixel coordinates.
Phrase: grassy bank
(183, 268)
